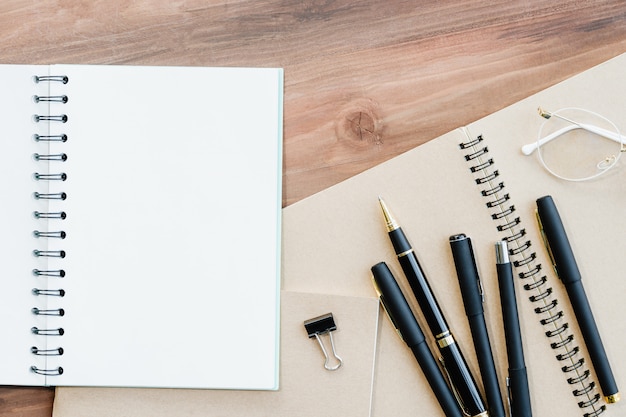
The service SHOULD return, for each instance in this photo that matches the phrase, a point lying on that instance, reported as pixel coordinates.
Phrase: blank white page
(173, 226)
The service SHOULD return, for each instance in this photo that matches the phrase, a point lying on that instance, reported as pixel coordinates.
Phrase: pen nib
(389, 220)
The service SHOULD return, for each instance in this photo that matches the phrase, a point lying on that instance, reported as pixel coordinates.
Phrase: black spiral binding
(54, 179)
(530, 271)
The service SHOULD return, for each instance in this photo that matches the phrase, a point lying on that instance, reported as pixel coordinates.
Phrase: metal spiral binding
(47, 372)
(50, 118)
(56, 99)
(50, 196)
(54, 215)
(56, 293)
(46, 352)
(47, 332)
(58, 273)
(58, 157)
(530, 271)
(49, 253)
(48, 217)
(59, 235)
(50, 177)
(51, 78)
(53, 312)
(50, 138)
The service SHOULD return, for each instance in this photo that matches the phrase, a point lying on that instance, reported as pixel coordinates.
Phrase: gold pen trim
(612, 399)
(389, 219)
(455, 392)
(405, 253)
(545, 242)
(444, 339)
(382, 304)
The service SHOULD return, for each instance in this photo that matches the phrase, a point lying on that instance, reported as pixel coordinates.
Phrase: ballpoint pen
(566, 268)
(461, 379)
(406, 325)
(471, 291)
(517, 381)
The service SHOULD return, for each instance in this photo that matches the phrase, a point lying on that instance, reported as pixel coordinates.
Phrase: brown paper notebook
(331, 240)
(307, 388)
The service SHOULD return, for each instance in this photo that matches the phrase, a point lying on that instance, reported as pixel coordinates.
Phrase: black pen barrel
(462, 379)
(510, 318)
(435, 379)
(567, 269)
(471, 291)
(519, 391)
(591, 335)
(421, 289)
(402, 317)
(456, 366)
(557, 241)
(487, 366)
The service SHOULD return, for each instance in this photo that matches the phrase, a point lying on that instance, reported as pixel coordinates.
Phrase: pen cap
(467, 273)
(557, 241)
(396, 305)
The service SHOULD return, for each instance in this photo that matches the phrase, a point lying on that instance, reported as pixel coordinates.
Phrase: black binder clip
(318, 326)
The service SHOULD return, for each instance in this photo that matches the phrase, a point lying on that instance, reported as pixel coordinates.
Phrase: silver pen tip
(502, 252)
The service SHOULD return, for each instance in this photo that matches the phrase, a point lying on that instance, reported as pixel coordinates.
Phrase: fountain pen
(461, 380)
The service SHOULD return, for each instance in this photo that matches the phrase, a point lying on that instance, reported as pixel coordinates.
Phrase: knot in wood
(359, 124)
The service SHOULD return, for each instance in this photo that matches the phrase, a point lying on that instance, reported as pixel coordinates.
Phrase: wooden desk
(364, 80)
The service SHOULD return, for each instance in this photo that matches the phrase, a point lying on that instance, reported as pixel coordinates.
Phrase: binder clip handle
(318, 327)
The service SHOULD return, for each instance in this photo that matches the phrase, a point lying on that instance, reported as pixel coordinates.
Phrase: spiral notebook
(141, 226)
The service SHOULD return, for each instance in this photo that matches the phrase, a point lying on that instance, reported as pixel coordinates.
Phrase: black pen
(461, 379)
(567, 270)
(402, 318)
(472, 292)
(517, 382)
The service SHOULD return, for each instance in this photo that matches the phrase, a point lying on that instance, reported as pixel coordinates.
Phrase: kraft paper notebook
(142, 226)
(486, 189)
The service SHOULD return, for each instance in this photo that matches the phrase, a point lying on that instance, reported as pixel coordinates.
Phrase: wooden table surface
(364, 80)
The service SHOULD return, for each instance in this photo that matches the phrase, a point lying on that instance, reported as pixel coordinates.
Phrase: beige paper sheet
(331, 240)
(307, 388)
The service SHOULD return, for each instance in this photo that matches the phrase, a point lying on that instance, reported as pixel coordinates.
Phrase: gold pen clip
(381, 300)
(456, 394)
(546, 243)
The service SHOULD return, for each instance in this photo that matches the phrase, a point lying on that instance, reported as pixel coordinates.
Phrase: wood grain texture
(364, 80)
